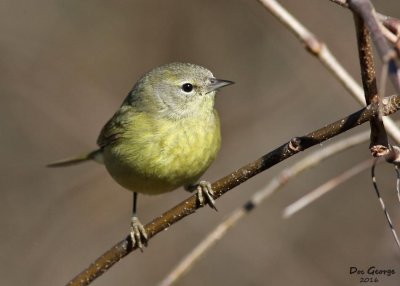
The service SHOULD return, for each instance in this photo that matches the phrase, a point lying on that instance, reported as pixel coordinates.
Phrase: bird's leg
(204, 193)
(138, 233)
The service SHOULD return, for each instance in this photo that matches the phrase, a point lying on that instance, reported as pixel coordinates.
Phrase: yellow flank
(154, 154)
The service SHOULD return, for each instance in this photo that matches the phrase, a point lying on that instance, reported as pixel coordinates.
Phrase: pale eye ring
(187, 87)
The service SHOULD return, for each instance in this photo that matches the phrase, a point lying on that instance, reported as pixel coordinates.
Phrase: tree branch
(295, 145)
(379, 144)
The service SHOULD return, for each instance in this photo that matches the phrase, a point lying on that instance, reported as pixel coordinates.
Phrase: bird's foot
(204, 193)
(138, 234)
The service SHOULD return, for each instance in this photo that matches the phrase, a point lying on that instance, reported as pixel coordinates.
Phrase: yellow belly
(153, 155)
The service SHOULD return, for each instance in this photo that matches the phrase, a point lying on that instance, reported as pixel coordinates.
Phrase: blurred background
(65, 68)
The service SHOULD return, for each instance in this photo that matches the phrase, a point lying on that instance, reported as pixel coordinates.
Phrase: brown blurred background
(65, 68)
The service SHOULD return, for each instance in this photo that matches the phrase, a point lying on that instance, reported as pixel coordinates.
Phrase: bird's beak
(217, 83)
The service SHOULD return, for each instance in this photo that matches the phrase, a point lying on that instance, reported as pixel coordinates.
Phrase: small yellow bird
(165, 135)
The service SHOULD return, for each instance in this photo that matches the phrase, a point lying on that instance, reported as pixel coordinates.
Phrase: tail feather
(96, 155)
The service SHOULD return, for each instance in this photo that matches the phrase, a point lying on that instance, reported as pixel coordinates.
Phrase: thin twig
(321, 52)
(325, 188)
(383, 204)
(313, 159)
(389, 35)
(189, 206)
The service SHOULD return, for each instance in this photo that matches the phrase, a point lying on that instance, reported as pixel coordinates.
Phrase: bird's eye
(187, 87)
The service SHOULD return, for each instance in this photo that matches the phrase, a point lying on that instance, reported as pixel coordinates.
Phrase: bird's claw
(205, 194)
(138, 234)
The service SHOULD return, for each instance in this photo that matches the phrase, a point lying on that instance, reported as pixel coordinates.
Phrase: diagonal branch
(295, 145)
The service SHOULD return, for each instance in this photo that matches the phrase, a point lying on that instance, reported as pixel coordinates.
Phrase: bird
(165, 135)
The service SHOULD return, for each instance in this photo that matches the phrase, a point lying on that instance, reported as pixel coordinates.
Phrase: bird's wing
(115, 127)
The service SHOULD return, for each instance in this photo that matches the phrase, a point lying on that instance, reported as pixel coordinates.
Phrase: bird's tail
(96, 155)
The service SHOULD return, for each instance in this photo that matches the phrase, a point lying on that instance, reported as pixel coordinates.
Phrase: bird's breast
(156, 155)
